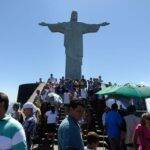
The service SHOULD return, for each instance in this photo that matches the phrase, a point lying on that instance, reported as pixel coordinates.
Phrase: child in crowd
(92, 141)
(142, 133)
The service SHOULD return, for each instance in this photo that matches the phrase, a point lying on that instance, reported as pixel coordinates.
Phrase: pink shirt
(143, 137)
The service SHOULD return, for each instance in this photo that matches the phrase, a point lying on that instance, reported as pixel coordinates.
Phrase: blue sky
(118, 52)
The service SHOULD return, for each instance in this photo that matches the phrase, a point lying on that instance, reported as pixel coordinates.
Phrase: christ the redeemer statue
(73, 41)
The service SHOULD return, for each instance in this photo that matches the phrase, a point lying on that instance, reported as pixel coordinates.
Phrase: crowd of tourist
(44, 118)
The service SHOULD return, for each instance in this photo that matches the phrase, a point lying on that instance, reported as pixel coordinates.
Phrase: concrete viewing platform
(56, 148)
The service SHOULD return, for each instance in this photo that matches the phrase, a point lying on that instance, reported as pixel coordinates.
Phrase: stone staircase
(40, 88)
(96, 126)
(102, 136)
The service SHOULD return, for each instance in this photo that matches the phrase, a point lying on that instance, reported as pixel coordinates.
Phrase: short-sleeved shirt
(83, 93)
(85, 148)
(51, 117)
(69, 135)
(30, 125)
(66, 98)
(143, 137)
(131, 122)
(113, 123)
(12, 135)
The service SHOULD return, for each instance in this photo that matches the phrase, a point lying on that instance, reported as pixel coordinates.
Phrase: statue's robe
(73, 42)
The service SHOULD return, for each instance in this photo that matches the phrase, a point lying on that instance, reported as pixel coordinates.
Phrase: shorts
(51, 128)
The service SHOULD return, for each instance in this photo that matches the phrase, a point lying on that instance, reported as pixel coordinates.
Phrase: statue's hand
(104, 24)
(43, 24)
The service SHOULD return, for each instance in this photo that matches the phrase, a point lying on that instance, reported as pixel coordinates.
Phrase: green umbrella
(126, 90)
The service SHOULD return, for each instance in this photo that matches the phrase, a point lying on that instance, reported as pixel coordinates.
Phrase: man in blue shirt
(69, 132)
(113, 122)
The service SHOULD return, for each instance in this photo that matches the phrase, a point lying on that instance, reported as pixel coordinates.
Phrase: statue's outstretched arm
(104, 24)
(58, 27)
(43, 24)
(91, 28)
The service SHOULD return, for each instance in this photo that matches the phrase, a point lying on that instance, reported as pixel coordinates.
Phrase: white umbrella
(109, 103)
(53, 98)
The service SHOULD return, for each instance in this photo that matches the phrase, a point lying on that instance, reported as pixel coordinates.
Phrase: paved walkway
(99, 148)
(56, 147)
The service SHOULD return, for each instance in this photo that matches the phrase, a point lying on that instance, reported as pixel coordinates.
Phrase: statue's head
(74, 16)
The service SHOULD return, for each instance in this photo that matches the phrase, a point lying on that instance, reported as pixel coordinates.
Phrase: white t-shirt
(51, 79)
(83, 93)
(131, 122)
(43, 96)
(85, 148)
(51, 89)
(66, 98)
(51, 117)
(75, 95)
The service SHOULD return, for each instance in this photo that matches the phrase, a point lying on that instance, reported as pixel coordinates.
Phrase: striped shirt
(12, 135)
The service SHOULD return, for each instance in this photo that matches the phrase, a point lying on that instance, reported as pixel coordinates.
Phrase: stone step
(40, 88)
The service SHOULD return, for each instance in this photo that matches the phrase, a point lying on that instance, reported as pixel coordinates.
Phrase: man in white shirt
(51, 79)
(131, 122)
(83, 93)
(51, 115)
(66, 99)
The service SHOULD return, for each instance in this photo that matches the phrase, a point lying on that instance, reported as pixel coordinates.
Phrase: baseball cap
(29, 105)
